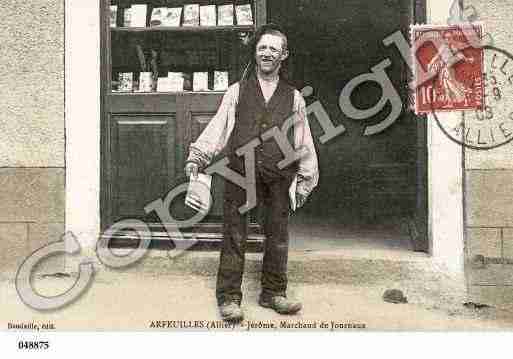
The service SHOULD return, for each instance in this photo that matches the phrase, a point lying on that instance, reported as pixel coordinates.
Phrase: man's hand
(191, 169)
(300, 200)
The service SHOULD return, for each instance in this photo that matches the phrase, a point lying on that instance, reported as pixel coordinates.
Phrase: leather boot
(280, 304)
(231, 312)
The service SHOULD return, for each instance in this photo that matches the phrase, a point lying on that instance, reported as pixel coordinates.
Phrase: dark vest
(253, 118)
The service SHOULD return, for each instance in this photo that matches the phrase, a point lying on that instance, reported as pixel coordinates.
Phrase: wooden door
(142, 161)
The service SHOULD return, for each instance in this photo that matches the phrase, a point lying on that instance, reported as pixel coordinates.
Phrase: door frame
(418, 225)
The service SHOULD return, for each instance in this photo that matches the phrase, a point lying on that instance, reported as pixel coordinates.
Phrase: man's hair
(269, 29)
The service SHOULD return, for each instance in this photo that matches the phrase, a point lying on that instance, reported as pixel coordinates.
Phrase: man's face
(270, 54)
(447, 37)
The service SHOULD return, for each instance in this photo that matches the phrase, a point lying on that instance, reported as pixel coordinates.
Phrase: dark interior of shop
(331, 42)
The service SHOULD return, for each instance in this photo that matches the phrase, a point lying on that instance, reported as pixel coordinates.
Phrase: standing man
(262, 100)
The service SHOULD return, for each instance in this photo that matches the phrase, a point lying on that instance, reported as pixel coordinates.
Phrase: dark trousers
(274, 208)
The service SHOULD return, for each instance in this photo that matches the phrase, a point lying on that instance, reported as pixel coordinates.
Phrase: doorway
(370, 186)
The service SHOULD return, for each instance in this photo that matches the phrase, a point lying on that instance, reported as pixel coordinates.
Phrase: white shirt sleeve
(215, 136)
(308, 174)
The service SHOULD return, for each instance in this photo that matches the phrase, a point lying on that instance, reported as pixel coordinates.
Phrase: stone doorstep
(415, 274)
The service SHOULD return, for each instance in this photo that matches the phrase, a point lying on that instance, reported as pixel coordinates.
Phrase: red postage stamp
(448, 67)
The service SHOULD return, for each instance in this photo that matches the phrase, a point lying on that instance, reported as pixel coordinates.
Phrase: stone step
(416, 275)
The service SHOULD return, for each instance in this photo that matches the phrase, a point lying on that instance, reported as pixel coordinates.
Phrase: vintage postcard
(354, 159)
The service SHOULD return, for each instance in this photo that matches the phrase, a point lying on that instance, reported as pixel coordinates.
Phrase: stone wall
(489, 189)
(32, 139)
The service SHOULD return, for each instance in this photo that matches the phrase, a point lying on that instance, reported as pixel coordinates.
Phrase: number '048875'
(31, 345)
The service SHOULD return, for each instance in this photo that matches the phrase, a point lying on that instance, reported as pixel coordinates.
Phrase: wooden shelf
(191, 29)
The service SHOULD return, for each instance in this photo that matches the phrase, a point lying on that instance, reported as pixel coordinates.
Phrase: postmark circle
(492, 126)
